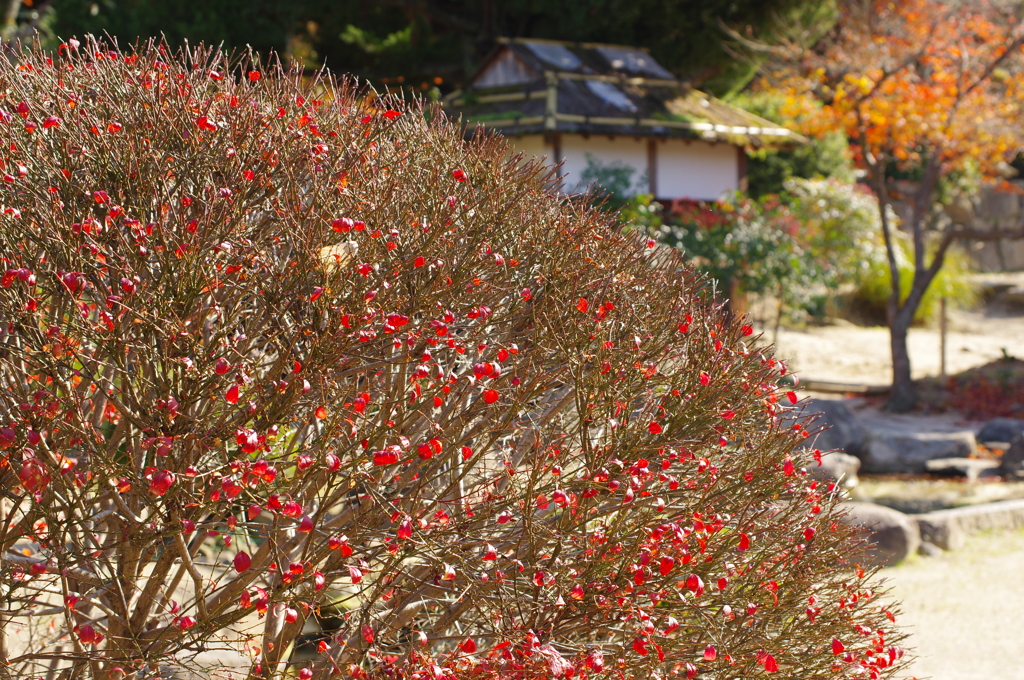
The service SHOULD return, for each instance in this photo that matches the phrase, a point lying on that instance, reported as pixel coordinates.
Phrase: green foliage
(641, 213)
(264, 25)
(613, 181)
(840, 227)
(449, 39)
(613, 184)
(825, 156)
(800, 247)
(953, 282)
(742, 242)
(398, 41)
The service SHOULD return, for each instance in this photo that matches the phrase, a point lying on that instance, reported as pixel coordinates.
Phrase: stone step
(971, 468)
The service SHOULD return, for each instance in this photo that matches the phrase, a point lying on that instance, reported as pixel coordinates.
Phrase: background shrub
(952, 282)
(274, 347)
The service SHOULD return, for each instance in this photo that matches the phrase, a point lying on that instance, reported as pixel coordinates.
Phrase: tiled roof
(535, 86)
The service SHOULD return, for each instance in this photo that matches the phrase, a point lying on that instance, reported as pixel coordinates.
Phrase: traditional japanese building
(614, 106)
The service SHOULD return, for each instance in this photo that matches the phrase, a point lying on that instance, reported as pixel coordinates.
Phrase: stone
(997, 204)
(929, 549)
(892, 449)
(1000, 430)
(892, 535)
(1013, 297)
(1011, 463)
(844, 433)
(950, 528)
(838, 467)
(971, 468)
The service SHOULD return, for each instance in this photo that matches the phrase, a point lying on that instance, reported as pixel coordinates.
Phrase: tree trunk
(903, 396)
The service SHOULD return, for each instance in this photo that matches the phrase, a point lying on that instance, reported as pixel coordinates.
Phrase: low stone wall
(992, 209)
(949, 529)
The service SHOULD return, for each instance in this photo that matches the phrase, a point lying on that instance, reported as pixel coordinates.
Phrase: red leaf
(405, 529)
(242, 561)
(747, 330)
(640, 647)
(744, 543)
(355, 573)
(468, 646)
(728, 415)
(459, 175)
(254, 76)
(391, 115)
(386, 457)
(232, 395)
(792, 397)
(837, 647)
(654, 428)
(583, 305)
(770, 664)
(710, 653)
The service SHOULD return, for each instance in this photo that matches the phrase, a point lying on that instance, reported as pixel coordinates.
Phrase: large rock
(838, 467)
(893, 536)
(1001, 430)
(1012, 462)
(844, 431)
(891, 449)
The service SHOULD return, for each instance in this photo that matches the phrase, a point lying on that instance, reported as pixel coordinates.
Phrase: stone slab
(971, 468)
(904, 450)
(949, 529)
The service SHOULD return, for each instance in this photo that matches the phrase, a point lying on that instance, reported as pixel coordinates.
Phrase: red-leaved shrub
(274, 348)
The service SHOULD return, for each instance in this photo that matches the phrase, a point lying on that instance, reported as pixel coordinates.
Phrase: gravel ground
(964, 609)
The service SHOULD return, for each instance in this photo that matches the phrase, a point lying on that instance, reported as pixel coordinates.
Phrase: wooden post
(652, 167)
(942, 337)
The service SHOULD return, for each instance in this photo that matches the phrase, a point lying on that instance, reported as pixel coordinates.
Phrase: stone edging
(948, 529)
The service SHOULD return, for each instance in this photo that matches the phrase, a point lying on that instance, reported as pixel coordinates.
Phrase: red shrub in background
(270, 345)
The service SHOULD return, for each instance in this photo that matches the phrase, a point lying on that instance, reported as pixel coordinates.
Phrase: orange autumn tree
(925, 89)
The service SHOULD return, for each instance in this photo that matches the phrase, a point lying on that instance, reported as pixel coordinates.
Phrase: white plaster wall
(696, 169)
(625, 150)
(532, 145)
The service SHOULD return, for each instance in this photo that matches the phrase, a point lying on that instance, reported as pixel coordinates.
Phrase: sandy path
(965, 610)
(861, 355)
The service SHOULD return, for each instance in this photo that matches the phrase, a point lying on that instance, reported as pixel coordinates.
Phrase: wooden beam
(551, 102)
(652, 166)
(741, 169)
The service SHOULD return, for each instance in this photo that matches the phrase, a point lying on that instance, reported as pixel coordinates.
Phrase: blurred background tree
(717, 44)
